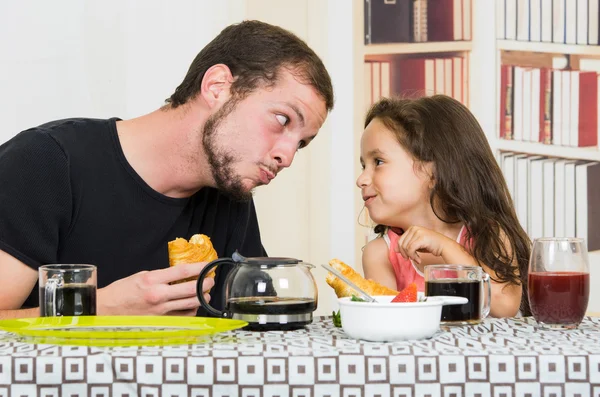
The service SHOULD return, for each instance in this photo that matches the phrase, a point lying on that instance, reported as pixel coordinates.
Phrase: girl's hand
(419, 239)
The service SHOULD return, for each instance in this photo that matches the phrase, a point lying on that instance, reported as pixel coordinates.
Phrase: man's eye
(283, 120)
(378, 161)
(301, 144)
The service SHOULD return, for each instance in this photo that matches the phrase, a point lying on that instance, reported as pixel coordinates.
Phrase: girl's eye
(378, 161)
(283, 120)
(301, 145)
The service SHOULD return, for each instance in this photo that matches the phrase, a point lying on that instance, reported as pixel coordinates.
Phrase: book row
(554, 197)
(406, 21)
(551, 21)
(558, 107)
(416, 77)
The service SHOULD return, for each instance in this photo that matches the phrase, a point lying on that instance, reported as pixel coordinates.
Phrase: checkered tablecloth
(500, 357)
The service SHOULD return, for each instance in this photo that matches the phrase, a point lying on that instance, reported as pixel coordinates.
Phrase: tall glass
(559, 282)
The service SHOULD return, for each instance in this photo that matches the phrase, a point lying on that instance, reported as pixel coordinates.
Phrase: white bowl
(387, 321)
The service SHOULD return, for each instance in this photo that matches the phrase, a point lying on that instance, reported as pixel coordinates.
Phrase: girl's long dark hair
(469, 186)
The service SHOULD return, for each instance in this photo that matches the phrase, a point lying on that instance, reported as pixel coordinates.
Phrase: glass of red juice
(559, 282)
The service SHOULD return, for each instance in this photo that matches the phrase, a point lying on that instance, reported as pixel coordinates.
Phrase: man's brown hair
(256, 52)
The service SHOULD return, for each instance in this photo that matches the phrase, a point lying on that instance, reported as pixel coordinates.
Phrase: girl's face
(394, 191)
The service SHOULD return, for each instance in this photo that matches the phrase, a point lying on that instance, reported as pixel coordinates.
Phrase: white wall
(70, 58)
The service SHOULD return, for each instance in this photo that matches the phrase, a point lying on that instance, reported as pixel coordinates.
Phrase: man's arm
(16, 282)
(143, 293)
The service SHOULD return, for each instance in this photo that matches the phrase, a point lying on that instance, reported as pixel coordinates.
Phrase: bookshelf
(547, 48)
(584, 153)
(576, 50)
(544, 55)
(388, 52)
(416, 48)
(537, 54)
(558, 38)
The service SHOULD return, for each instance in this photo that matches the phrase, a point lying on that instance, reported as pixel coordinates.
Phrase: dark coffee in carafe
(280, 314)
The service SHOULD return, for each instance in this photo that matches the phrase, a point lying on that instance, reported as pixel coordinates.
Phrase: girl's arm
(376, 265)
(506, 297)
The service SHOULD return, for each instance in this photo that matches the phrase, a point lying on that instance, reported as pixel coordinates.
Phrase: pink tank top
(406, 272)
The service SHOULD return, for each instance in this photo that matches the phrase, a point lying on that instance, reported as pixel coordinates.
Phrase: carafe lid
(270, 261)
(265, 260)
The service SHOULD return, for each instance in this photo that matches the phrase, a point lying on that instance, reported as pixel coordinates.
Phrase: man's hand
(149, 293)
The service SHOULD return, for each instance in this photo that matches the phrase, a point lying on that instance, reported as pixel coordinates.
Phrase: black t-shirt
(68, 195)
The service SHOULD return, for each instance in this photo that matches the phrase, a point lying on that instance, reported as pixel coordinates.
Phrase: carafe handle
(200, 293)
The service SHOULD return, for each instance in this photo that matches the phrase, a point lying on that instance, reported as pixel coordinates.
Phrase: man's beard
(222, 160)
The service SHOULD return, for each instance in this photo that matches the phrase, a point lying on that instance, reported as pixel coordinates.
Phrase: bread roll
(198, 249)
(342, 289)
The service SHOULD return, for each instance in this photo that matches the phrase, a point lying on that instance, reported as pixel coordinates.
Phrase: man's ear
(216, 85)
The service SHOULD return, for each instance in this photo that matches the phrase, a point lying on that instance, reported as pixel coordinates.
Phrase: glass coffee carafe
(268, 293)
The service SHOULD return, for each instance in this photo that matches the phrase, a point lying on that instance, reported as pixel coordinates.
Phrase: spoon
(339, 275)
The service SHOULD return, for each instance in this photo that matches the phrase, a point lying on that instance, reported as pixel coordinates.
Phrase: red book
(444, 20)
(414, 77)
(588, 109)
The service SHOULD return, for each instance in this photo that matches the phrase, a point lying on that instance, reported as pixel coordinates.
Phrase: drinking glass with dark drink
(559, 282)
(67, 290)
(470, 282)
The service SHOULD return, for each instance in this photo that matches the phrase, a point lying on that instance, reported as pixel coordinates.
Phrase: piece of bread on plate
(198, 249)
(342, 289)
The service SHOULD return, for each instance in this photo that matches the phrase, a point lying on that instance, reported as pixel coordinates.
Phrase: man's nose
(283, 153)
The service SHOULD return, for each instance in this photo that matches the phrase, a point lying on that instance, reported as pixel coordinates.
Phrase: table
(500, 357)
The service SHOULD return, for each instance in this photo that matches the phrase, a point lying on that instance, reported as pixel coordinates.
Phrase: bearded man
(114, 192)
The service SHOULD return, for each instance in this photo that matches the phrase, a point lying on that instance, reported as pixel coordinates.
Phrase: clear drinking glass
(470, 282)
(67, 290)
(559, 282)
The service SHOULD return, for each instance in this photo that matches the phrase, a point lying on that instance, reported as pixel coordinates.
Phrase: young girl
(432, 185)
